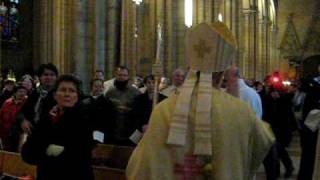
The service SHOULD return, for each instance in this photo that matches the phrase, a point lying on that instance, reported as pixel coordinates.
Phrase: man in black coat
(309, 138)
(142, 106)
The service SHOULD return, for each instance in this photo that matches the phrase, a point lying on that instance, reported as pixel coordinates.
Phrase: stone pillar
(36, 30)
(199, 11)
(113, 34)
(68, 36)
(266, 65)
(58, 32)
(250, 48)
(45, 31)
(262, 58)
(170, 36)
(127, 33)
(181, 34)
(216, 9)
(95, 36)
(208, 10)
(237, 27)
(99, 34)
(227, 13)
(253, 37)
(244, 48)
(274, 53)
(79, 42)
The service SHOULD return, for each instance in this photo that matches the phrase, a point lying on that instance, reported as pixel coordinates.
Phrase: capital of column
(249, 11)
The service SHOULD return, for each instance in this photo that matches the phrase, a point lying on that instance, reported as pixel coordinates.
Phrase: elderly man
(202, 132)
(177, 80)
(236, 86)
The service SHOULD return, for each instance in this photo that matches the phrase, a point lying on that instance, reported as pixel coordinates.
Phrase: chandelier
(9, 20)
(137, 1)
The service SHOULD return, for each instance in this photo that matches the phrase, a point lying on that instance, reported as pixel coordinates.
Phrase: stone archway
(310, 66)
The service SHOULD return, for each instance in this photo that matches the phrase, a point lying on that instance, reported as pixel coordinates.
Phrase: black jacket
(142, 108)
(73, 132)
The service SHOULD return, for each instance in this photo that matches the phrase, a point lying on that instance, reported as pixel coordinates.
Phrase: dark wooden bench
(116, 157)
(11, 163)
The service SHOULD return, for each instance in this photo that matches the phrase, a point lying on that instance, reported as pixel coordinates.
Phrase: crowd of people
(125, 107)
(54, 124)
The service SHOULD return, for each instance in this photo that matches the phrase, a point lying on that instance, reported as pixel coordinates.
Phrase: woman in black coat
(62, 141)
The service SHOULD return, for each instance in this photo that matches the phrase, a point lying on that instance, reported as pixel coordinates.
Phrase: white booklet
(136, 136)
(98, 135)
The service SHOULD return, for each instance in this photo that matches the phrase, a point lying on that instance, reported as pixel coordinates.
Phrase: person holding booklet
(61, 143)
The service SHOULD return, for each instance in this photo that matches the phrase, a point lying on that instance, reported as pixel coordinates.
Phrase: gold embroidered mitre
(210, 48)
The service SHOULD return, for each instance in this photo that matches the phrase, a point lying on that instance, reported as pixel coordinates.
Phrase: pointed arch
(290, 45)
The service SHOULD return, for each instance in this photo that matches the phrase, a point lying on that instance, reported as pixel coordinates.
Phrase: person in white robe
(202, 132)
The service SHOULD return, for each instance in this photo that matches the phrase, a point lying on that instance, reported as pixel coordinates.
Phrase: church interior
(82, 36)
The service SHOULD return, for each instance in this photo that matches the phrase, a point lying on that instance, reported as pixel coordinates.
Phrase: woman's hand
(26, 126)
(54, 150)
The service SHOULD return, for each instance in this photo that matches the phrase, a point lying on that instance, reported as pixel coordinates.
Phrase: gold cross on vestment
(201, 48)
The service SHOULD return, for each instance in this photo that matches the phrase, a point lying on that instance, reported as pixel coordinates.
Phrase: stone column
(113, 33)
(250, 49)
(100, 34)
(274, 53)
(127, 33)
(262, 58)
(268, 50)
(57, 42)
(79, 42)
(68, 36)
(253, 37)
(95, 36)
(244, 46)
(199, 11)
(45, 31)
(208, 10)
(36, 30)
(170, 40)
(216, 9)
(237, 27)
(181, 34)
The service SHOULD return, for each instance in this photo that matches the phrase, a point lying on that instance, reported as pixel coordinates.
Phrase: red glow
(275, 79)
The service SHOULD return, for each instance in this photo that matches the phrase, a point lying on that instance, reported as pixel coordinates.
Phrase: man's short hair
(48, 66)
(94, 80)
(69, 78)
(145, 79)
(122, 68)
(99, 70)
(8, 81)
(19, 86)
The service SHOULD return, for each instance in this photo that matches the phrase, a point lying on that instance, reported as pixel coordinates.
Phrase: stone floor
(295, 152)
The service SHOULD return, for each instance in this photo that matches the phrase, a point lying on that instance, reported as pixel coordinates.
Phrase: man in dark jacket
(142, 106)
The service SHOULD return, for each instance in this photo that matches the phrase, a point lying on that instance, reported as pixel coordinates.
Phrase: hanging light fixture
(137, 1)
(220, 17)
(3, 9)
(13, 10)
(188, 7)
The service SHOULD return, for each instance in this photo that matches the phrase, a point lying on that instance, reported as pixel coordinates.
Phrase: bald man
(177, 80)
(236, 86)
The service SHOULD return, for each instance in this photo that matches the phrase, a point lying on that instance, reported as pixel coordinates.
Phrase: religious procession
(208, 123)
(159, 90)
